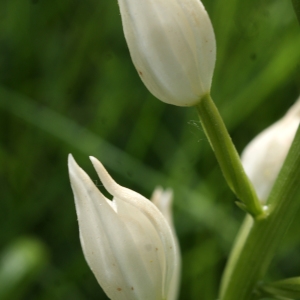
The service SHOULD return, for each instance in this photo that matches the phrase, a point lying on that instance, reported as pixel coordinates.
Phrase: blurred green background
(67, 85)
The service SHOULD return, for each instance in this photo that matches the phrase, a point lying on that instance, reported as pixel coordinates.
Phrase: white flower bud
(163, 200)
(127, 242)
(172, 45)
(265, 154)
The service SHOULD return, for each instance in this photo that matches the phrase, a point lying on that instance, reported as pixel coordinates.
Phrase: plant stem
(259, 239)
(228, 157)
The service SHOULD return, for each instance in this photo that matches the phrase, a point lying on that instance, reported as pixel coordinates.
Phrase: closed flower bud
(127, 242)
(172, 45)
(265, 154)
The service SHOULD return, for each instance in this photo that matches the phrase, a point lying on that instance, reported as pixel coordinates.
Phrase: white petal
(264, 155)
(147, 244)
(151, 212)
(163, 200)
(172, 45)
(108, 246)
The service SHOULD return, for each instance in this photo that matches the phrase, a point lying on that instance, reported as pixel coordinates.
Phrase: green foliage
(20, 262)
(258, 241)
(288, 288)
(296, 4)
(67, 85)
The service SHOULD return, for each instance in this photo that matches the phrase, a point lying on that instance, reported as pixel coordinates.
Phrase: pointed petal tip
(95, 161)
(169, 193)
(72, 164)
(109, 183)
(76, 172)
(70, 159)
(100, 169)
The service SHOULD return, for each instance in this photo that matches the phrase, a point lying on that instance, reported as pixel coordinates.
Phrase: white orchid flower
(265, 154)
(127, 242)
(172, 45)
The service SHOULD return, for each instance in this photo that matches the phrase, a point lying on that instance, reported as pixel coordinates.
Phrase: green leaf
(296, 4)
(289, 288)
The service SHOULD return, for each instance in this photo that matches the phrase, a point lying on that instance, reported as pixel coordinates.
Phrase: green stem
(259, 239)
(228, 157)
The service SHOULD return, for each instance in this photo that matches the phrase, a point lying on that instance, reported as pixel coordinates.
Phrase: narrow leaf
(296, 4)
(289, 288)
